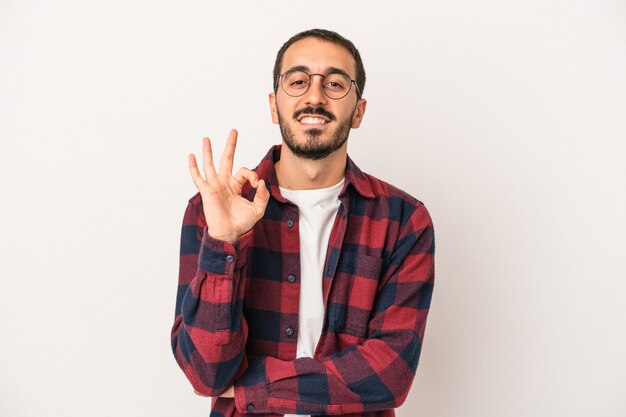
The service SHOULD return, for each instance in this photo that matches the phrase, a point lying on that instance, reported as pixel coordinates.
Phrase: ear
(273, 109)
(358, 113)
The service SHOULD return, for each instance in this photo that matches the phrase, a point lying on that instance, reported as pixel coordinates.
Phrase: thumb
(262, 197)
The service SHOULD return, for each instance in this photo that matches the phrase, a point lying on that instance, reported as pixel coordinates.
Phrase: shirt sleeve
(373, 375)
(209, 332)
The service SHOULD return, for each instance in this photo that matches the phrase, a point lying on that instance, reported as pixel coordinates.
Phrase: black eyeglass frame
(358, 93)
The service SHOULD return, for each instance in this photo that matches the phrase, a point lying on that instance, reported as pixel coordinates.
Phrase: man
(305, 284)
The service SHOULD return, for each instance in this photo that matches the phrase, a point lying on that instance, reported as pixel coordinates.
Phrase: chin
(313, 142)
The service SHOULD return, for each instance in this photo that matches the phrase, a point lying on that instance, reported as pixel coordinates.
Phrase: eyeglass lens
(295, 83)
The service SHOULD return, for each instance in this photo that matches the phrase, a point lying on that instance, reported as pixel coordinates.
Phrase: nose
(315, 95)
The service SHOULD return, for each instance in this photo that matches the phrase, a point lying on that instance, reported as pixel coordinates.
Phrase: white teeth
(312, 120)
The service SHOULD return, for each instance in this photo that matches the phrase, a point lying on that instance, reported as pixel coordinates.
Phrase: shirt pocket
(353, 293)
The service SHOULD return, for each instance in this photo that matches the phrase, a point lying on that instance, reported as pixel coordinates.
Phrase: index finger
(226, 164)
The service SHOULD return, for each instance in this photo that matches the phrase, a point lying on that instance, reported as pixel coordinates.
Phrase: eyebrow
(328, 70)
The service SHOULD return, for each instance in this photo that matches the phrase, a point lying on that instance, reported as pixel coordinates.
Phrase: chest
(353, 264)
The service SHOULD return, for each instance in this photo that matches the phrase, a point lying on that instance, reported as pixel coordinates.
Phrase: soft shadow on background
(507, 119)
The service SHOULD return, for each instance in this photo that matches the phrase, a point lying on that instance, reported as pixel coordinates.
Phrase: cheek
(284, 109)
(280, 115)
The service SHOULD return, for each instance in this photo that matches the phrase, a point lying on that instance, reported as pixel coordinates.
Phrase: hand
(228, 214)
(229, 393)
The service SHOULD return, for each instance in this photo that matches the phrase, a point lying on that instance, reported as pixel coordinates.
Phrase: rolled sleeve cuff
(252, 399)
(252, 389)
(219, 257)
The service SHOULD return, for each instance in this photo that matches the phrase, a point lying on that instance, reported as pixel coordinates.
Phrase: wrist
(225, 238)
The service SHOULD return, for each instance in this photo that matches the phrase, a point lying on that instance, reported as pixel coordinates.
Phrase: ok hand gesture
(228, 214)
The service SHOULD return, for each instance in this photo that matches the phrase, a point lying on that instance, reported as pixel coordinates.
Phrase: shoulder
(386, 190)
(394, 203)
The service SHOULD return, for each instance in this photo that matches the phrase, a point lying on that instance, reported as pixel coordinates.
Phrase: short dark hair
(328, 36)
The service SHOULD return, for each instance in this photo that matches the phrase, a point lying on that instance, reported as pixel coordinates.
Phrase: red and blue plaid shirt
(236, 319)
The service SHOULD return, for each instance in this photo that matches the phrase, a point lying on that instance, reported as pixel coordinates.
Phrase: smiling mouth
(312, 121)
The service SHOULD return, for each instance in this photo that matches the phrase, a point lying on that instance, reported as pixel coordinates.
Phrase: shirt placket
(290, 287)
(332, 258)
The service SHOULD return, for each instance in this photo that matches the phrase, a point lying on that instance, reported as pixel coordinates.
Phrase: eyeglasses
(335, 85)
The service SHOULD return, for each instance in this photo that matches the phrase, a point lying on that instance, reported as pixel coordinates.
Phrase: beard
(313, 147)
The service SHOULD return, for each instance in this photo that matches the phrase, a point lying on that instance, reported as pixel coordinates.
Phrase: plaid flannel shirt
(236, 318)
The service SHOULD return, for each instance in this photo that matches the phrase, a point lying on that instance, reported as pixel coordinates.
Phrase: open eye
(297, 83)
(336, 82)
(296, 80)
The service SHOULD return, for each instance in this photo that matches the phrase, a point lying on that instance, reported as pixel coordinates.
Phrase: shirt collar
(354, 176)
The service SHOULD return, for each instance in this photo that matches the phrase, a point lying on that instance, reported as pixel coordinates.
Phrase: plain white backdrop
(506, 118)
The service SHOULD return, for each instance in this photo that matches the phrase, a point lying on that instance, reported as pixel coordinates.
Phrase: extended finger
(207, 158)
(195, 173)
(244, 174)
(226, 165)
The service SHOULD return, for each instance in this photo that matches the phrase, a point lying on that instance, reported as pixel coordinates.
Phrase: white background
(508, 119)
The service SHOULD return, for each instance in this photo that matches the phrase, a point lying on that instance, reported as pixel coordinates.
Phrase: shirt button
(250, 408)
(291, 278)
(230, 259)
(289, 331)
(290, 223)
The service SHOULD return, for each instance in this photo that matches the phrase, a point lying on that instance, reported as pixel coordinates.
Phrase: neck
(295, 173)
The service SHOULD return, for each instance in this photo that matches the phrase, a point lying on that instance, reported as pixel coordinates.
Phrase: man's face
(313, 125)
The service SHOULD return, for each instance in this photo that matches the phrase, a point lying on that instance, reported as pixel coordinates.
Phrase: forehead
(318, 55)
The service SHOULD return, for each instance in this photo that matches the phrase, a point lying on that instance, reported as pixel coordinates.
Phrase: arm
(209, 332)
(373, 375)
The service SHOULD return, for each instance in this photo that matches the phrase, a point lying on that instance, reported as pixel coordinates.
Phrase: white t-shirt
(318, 209)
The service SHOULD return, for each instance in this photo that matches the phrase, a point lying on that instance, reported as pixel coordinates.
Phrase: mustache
(320, 111)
